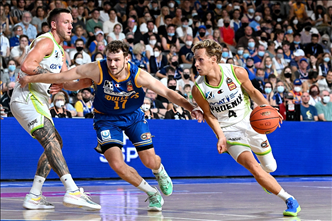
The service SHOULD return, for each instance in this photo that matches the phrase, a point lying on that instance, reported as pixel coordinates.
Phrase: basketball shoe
(293, 207)
(79, 199)
(33, 201)
(165, 182)
(156, 201)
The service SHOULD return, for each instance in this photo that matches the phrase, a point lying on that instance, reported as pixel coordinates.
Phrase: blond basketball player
(31, 109)
(222, 92)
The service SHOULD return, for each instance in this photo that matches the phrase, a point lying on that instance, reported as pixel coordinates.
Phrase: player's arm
(210, 119)
(42, 47)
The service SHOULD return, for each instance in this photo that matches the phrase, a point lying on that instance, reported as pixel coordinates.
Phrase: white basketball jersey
(53, 63)
(228, 102)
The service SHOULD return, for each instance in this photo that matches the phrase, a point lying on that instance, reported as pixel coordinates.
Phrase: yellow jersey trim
(100, 73)
(123, 79)
(138, 72)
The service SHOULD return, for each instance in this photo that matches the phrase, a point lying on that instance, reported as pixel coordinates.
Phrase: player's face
(64, 26)
(116, 63)
(203, 62)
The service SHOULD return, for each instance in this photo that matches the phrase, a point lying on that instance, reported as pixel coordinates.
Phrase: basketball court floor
(209, 199)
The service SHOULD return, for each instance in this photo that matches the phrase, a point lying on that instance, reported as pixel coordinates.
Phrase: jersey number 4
(231, 113)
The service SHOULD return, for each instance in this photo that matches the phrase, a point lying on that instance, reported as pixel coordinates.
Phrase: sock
(158, 170)
(284, 195)
(37, 185)
(68, 182)
(145, 187)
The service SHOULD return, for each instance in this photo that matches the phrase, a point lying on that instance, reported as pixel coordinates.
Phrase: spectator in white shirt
(79, 44)
(19, 52)
(116, 34)
(104, 14)
(4, 44)
(184, 29)
(108, 25)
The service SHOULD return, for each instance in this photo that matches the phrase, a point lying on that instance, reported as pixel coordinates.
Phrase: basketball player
(30, 107)
(219, 93)
(118, 98)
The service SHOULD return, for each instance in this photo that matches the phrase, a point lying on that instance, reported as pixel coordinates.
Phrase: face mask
(171, 34)
(284, 26)
(79, 61)
(260, 78)
(250, 66)
(324, 42)
(59, 104)
(268, 90)
(246, 55)
(314, 93)
(152, 42)
(156, 53)
(297, 42)
(288, 75)
(184, 26)
(264, 38)
(280, 56)
(143, 53)
(156, 8)
(11, 68)
(226, 24)
(261, 53)
(277, 11)
(219, 6)
(326, 99)
(79, 48)
(297, 89)
(268, 65)
(201, 34)
(245, 25)
(251, 11)
(98, 59)
(101, 48)
(130, 40)
(326, 59)
(236, 7)
(204, 6)
(289, 31)
(307, 28)
(186, 76)
(280, 89)
(172, 87)
(189, 43)
(135, 28)
(171, 5)
(251, 44)
(86, 99)
(17, 36)
(194, 14)
(258, 18)
(240, 52)
(175, 63)
(224, 54)
(145, 107)
(295, 22)
(208, 26)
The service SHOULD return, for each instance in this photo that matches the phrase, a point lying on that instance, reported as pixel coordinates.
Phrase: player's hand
(280, 117)
(55, 88)
(221, 145)
(197, 114)
(23, 80)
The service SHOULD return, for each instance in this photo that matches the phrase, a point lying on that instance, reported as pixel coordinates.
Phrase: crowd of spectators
(284, 45)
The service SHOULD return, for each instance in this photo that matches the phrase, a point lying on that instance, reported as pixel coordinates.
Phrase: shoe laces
(290, 204)
(153, 198)
(162, 178)
(85, 195)
(44, 201)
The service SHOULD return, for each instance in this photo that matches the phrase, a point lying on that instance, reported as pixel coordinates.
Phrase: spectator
(271, 49)
(84, 107)
(186, 9)
(313, 48)
(184, 30)
(108, 25)
(59, 109)
(157, 60)
(15, 41)
(287, 77)
(318, 16)
(4, 44)
(151, 31)
(146, 107)
(235, 22)
(172, 7)
(298, 9)
(171, 38)
(93, 22)
(278, 96)
(121, 9)
(5, 100)
(77, 60)
(186, 76)
(312, 79)
(297, 91)
(132, 27)
(216, 35)
(314, 93)
(19, 52)
(78, 34)
(298, 55)
(104, 14)
(154, 9)
(328, 17)
(185, 54)
(306, 33)
(100, 40)
(308, 112)
(248, 37)
(326, 83)
(138, 57)
(255, 24)
(45, 28)
(79, 47)
(325, 64)
(260, 57)
(6, 8)
(268, 93)
(171, 52)
(99, 49)
(303, 72)
(28, 28)
(289, 35)
(4, 21)
(263, 40)
(324, 107)
(173, 62)
(77, 20)
(225, 54)
(160, 20)
(227, 33)
(201, 34)
(250, 68)
(326, 43)
(10, 74)
(287, 52)
(156, 105)
(296, 44)
(279, 61)
(162, 29)
(288, 110)
(17, 12)
(269, 67)
(177, 112)
(116, 34)
(39, 18)
(170, 72)
(177, 20)
(89, 10)
(98, 56)
(150, 45)
(277, 15)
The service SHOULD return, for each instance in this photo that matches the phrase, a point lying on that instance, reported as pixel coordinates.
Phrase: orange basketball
(264, 119)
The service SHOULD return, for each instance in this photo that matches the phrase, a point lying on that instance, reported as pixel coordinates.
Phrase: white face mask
(59, 104)
(295, 22)
(152, 42)
(189, 43)
(145, 107)
(258, 18)
(79, 61)
(98, 59)
(297, 89)
(171, 5)
(326, 99)
(156, 53)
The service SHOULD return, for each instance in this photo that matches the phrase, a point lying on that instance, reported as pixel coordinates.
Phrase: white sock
(284, 195)
(145, 187)
(159, 170)
(68, 182)
(37, 185)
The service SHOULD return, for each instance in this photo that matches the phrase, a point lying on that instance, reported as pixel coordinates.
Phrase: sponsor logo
(146, 136)
(105, 135)
(228, 106)
(209, 95)
(230, 84)
(108, 86)
(234, 138)
(265, 144)
(130, 86)
(56, 54)
(32, 123)
(54, 66)
(225, 99)
(266, 113)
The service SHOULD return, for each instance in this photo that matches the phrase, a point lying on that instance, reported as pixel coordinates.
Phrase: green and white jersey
(228, 102)
(53, 63)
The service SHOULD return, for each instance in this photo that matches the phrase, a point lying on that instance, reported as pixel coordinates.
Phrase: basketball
(264, 119)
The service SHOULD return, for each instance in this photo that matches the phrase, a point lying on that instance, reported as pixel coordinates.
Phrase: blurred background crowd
(284, 45)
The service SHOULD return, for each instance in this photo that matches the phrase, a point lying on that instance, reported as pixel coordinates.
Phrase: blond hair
(212, 48)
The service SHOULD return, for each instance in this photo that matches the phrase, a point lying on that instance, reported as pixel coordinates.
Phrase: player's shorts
(241, 137)
(32, 113)
(109, 129)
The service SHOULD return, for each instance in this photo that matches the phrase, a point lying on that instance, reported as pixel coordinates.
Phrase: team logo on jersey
(130, 86)
(265, 144)
(108, 86)
(230, 84)
(209, 95)
(105, 135)
(146, 136)
(220, 91)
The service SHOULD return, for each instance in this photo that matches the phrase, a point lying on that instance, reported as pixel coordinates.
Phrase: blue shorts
(110, 130)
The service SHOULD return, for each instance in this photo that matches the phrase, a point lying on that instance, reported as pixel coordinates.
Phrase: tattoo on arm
(40, 70)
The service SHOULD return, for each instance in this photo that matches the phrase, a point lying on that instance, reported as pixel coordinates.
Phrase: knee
(117, 166)
(254, 168)
(151, 162)
(269, 168)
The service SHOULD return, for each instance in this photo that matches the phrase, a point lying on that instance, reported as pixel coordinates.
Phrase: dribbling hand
(221, 145)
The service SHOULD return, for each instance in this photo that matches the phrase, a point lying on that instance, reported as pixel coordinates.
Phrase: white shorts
(241, 137)
(31, 114)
